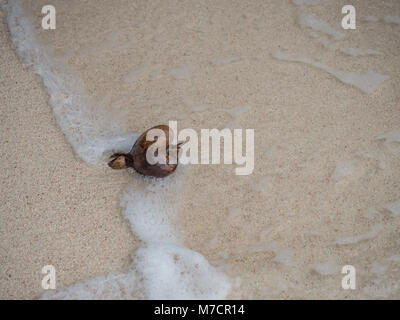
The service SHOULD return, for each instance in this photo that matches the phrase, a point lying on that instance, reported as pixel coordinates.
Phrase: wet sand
(326, 180)
(55, 209)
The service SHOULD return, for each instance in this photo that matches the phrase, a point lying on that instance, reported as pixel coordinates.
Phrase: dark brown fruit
(136, 158)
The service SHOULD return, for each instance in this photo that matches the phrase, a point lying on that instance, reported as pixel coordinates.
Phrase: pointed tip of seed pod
(118, 162)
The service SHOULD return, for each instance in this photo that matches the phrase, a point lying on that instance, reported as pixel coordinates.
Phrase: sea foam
(307, 20)
(307, 2)
(168, 269)
(359, 52)
(357, 238)
(367, 82)
(89, 129)
(163, 268)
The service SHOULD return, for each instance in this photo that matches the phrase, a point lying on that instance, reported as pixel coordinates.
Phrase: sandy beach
(324, 106)
(54, 209)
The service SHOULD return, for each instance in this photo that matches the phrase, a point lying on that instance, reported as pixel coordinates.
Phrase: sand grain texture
(323, 173)
(55, 209)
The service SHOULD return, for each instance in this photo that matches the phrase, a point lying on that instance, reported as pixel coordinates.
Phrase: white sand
(283, 232)
(54, 209)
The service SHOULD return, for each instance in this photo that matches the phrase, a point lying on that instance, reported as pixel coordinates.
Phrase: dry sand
(318, 198)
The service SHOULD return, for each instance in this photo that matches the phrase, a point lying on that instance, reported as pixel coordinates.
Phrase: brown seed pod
(136, 158)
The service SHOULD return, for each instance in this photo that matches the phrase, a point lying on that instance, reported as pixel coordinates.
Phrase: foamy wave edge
(90, 132)
(163, 268)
